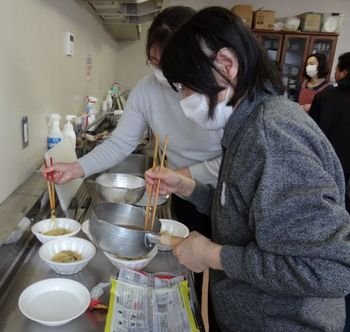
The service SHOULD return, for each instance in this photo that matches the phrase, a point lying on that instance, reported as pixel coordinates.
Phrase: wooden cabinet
(290, 50)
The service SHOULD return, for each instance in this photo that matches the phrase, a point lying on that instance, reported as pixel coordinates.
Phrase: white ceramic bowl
(172, 227)
(83, 247)
(55, 301)
(134, 264)
(45, 225)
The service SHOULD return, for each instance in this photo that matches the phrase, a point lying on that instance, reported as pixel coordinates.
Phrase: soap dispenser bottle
(68, 130)
(54, 134)
(109, 100)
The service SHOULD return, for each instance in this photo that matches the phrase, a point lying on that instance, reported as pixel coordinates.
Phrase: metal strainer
(120, 188)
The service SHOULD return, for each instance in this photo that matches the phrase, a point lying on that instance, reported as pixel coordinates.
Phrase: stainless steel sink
(135, 164)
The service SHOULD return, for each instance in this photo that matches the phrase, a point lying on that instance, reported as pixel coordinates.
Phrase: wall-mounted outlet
(25, 132)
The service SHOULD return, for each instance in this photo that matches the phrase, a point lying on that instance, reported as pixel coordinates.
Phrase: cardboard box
(264, 19)
(310, 22)
(245, 12)
(331, 22)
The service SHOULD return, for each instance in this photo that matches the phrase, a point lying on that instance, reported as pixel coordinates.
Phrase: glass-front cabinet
(295, 51)
(273, 45)
(325, 45)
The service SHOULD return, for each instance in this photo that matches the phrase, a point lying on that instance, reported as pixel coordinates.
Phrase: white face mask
(196, 108)
(311, 70)
(160, 77)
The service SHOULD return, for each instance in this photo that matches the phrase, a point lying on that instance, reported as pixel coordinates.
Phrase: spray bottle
(54, 135)
(68, 130)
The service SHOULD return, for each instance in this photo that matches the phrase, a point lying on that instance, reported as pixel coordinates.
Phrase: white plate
(55, 301)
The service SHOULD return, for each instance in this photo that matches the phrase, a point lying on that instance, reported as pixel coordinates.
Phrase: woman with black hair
(279, 257)
(315, 72)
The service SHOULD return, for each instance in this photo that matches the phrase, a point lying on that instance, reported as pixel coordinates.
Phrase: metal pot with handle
(119, 229)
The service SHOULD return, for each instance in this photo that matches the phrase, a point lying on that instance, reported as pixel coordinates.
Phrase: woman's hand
(170, 182)
(63, 172)
(198, 253)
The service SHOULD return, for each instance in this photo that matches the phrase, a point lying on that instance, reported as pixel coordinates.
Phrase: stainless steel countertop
(98, 270)
(21, 266)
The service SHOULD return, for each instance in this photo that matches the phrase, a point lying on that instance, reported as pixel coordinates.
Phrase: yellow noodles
(57, 231)
(66, 256)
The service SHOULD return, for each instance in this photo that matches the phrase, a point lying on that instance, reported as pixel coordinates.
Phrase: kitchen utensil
(54, 302)
(80, 246)
(64, 152)
(118, 228)
(45, 225)
(120, 188)
(51, 191)
(150, 191)
(135, 264)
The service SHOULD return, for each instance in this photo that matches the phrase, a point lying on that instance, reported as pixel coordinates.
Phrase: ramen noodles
(67, 256)
(57, 231)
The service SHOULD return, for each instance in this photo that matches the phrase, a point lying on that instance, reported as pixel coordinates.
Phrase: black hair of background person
(322, 68)
(344, 63)
(164, 25)
(198, 42)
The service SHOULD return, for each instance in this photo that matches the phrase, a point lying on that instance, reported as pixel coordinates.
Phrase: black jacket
(331, 111)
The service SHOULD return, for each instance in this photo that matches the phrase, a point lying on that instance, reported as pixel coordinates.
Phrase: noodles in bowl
(67, 255)
(45, 231)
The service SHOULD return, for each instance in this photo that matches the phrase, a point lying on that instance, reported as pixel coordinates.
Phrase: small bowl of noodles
(67, 255)
(50, 229)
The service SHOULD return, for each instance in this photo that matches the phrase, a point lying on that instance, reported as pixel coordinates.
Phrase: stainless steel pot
(118, 229)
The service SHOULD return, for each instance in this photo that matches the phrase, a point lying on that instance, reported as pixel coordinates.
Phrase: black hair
(188, 57)
(164, 25)
(322, 68)
(344, 63)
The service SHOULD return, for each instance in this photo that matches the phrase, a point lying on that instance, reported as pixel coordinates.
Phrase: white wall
(36, 78)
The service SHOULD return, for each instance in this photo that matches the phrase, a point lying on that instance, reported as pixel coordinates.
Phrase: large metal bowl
(119, 229)
(120, 188)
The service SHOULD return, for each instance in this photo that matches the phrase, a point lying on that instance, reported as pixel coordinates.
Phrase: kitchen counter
(27, 268)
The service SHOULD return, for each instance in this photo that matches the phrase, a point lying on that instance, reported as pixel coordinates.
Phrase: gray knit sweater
(279, 212)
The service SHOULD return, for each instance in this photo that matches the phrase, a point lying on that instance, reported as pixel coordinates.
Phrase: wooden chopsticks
(149, 208)
(51, 190)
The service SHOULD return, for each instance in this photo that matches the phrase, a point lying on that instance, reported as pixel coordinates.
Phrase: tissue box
(310, 22)
(264, 19)
(245, 12)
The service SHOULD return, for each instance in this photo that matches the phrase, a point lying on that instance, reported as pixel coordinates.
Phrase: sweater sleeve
(202, 197)
(206, 171)
(302, 229)
(123, 141)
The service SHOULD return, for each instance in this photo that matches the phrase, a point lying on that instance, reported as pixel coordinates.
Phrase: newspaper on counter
(141, 302)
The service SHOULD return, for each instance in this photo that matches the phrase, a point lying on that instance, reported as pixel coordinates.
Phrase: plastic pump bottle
(109, 100)
(68, 130)
(54, 135)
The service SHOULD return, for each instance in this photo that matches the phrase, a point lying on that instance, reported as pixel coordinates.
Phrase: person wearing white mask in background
(192, 150)
(316, 71)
